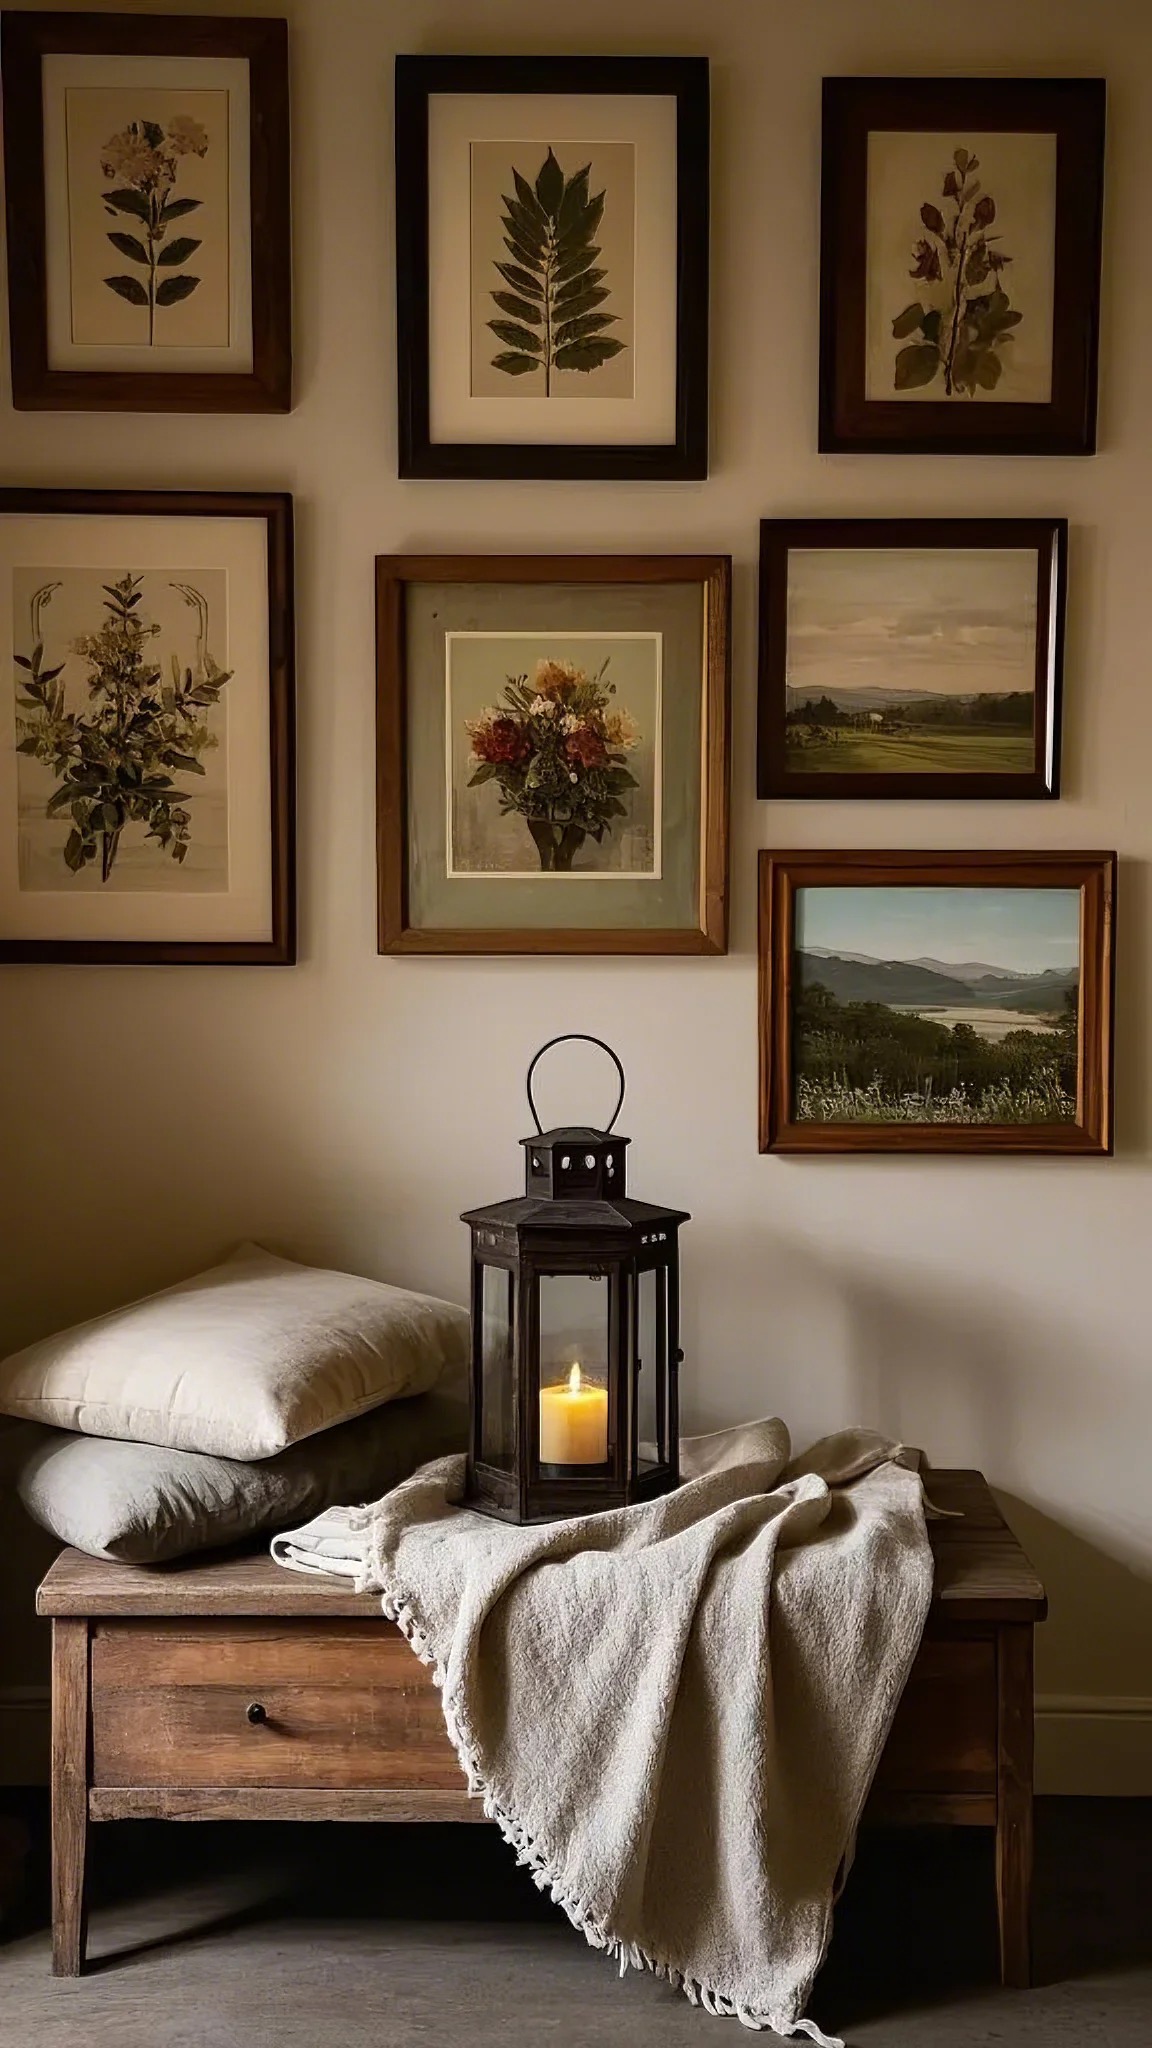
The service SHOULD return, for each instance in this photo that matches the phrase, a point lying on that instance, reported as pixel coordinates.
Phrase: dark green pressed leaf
(174, 289)
(587, 355)
(522, 249)
(516, 337)
(575, 199)
(570, 265)
(484, 773)
(177, 208)
(578, 303)
(908, 321)
(521, 281)
(579, 330)
(988, 367)
(129, 288)
(550, 185)
(585, 224)
(21, 661)
(515, 365)
(520, 309)
(27, 746)
(127, 201)
(529, 201)
(582, 282)
(178, 251)
(930, 326)
(129, 246)
(916, 365)
(528, 226)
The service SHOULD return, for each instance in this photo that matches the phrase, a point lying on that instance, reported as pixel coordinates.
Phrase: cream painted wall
(995, 1312)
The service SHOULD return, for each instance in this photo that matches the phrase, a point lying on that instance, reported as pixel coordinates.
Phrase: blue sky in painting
(1022, 929)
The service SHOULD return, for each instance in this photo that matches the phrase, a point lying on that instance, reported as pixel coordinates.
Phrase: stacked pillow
(257, 1394)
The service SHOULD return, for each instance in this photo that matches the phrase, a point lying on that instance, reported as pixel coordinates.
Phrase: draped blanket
(673, 1711)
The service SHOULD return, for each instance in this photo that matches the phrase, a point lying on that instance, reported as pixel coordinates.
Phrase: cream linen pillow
(239, 1362)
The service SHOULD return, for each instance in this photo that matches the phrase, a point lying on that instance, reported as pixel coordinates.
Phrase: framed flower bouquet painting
(552, 266)
(553, 753)
(146, 749)
(960, 265)
(147, 168)
(936, 1002)
(911, 657)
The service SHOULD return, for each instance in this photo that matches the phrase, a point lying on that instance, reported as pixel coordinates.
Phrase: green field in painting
(913, 753)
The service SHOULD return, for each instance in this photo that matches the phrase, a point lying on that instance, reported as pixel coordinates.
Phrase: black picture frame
(25, 41)
(778, 537)
(683, 78)
(1073, 109)
(275, 509)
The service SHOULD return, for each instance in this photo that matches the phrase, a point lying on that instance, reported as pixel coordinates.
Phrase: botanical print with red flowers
(562, 760)
(961, 254)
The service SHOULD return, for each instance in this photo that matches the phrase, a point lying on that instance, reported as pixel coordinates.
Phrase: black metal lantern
(575, 1332)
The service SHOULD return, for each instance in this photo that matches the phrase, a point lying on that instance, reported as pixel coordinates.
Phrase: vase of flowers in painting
(556, 746)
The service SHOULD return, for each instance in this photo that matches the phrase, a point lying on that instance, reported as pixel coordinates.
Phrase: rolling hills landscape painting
(904, 657)
(954, 1005)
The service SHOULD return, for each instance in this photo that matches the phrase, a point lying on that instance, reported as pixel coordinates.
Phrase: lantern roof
(573, 1134)
(530, 1213)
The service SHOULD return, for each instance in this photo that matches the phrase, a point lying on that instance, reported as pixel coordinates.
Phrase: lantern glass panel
(575, 1419)
(651, 1354)
(497, 1329)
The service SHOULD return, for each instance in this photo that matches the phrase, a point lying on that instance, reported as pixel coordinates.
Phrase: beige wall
(995, 1312)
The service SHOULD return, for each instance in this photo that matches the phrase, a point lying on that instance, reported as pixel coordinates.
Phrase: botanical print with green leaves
(963, 320)
(552, 302)
(144, 161)
(119, 757)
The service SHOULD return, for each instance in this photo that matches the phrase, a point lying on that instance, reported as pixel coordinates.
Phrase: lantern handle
(586, 1038)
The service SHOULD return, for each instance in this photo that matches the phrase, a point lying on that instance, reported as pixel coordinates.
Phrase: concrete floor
(350, 1937)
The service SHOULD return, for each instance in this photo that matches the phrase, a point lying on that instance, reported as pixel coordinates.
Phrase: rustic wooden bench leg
(1014, 1802)
(69, 1794)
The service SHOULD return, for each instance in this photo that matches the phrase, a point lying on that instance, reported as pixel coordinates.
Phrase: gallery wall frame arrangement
(147, 800)
(148, 179)
(552, 266)
(911, 657)
(961, 226)
(553, 753)
(936, 1002)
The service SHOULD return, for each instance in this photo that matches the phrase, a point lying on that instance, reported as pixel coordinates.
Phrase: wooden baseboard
(1093, 1745)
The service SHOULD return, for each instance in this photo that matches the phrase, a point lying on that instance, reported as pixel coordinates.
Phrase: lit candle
(573, 1423)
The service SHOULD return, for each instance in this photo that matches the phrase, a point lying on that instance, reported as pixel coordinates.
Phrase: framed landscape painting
(146, 753)
(911, 657)
(936, 1002)
(552, 266)
(960, 265)
(553, 753)
(148, 199)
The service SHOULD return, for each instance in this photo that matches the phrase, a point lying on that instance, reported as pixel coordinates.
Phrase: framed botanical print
(936, 1002)
(147, 169)
(146, 754)
(911, 657)
(552, 266)
(960, 265)
(553, 753)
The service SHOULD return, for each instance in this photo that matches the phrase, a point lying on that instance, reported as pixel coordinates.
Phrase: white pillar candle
(573, 1423)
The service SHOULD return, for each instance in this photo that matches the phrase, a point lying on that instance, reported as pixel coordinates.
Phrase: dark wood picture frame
(394, 574)
(276, 509)
(25, 40)
(782, 874)
(778, 537)
(1071, 108)
(683, 78)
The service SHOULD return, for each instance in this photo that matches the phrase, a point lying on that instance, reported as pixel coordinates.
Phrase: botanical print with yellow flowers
(561, 752)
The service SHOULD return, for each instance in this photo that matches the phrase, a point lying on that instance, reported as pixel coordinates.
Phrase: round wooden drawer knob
(257, 1713)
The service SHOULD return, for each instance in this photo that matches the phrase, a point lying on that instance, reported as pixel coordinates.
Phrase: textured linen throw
(673, 1711)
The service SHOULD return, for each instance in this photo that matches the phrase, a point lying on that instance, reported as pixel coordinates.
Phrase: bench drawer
(943, 1739)
(345, 1704)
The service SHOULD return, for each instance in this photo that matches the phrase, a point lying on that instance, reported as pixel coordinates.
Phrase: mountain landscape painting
(956, 1005)
(911, 660)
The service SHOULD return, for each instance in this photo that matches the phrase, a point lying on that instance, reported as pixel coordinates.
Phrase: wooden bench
(234, 1690)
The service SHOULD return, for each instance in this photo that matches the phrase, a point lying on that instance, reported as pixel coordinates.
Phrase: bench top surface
(982, 1574)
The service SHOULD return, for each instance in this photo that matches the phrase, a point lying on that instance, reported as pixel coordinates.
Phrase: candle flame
(574, 1380)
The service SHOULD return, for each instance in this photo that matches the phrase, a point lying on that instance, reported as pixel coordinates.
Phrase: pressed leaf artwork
(124, 725)
(143, 160)
(963, 320)
(557, 280)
